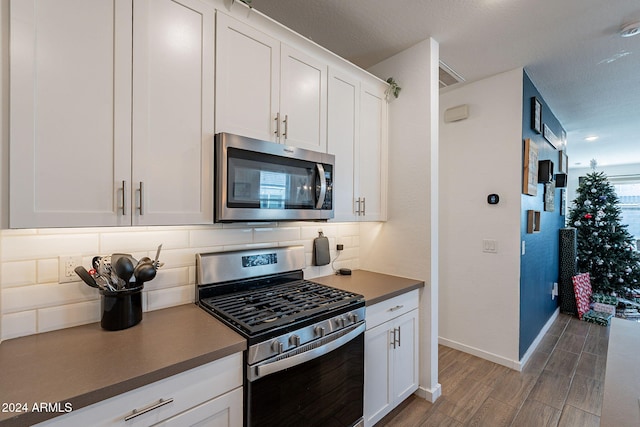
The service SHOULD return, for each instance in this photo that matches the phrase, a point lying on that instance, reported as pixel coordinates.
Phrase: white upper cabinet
(372, 153)
(303, 100)
(357, 135)
(70, 125)
(343, 132)
(247, 80)
(173, 112)
(80, 145)
(267, 89)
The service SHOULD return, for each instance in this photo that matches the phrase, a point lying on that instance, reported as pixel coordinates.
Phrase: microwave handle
(323, 185)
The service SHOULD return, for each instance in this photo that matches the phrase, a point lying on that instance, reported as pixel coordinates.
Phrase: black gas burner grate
(261, 309)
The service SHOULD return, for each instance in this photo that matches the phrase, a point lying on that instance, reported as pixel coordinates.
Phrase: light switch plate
(490, 246)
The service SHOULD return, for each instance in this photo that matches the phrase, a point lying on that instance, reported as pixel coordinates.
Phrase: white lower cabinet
(391, 355)
(209, 395)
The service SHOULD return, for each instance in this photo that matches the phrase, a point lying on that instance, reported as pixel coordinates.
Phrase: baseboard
(522, 363)
(500, 360)
(430, 395)
(517, 365)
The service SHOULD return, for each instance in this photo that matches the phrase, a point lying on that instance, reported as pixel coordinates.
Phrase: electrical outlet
(66, 267)
(554, 291)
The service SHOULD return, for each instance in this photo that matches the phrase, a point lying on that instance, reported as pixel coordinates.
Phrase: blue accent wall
(539, 265)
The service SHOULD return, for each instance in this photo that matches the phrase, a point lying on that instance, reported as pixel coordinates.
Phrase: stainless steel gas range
(305, 358)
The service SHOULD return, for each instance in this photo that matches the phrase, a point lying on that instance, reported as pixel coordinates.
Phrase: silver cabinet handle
(138, 412)
(397, 307)
(124, 197)
(399, 334)
(393, 338)
(364, 206)
(358, 209)
(141, 191)
(323, 185)
(286, 126)
(277, 119)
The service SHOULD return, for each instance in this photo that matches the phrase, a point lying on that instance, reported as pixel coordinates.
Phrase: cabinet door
(342, 135)
(377, 370)
(173, 103)
(247, 80)
(373, 152)
(303, 100)
(223, 411)
(405, 356)
(70, 125)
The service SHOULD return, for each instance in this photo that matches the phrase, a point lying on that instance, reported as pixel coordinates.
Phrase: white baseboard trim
(495, 358)
(535, 342)
(517, 365)
(430, 395)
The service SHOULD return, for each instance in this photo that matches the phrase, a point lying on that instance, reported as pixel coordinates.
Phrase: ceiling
(588, 75)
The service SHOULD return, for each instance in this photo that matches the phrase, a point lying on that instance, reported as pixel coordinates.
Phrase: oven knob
(277, 346)
(294, 340)
(319, 331)
(353, 317)
(340, 321)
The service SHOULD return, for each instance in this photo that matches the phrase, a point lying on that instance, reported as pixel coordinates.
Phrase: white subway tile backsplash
(18, 273)
(311, 232)
(45, 295)
(66, 316)
(170, 297)
(167, 278)
(278, 234)
(33, 301)
(36, 246)
(48, 270)
(221, 237)
(19, 324)
(144, 240)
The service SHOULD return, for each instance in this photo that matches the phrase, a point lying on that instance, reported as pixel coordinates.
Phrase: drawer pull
(397, 307)
(136, 412)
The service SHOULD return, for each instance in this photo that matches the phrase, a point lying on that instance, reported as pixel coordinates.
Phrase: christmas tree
(605, 247)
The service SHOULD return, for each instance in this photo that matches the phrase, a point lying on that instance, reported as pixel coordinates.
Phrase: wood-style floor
(561, 385)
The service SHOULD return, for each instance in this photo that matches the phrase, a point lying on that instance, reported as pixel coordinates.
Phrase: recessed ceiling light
(591, 138)
(630, 30)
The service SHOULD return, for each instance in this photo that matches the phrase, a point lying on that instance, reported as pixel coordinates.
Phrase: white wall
(479, 292)
(406, 244)
(4, 121)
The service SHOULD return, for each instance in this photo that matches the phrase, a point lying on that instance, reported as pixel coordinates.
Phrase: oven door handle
(269, 368)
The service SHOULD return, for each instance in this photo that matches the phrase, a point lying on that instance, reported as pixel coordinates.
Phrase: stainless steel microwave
(264, 181)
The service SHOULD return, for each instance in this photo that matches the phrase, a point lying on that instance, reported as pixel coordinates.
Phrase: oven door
(321, 386)
(263, 181)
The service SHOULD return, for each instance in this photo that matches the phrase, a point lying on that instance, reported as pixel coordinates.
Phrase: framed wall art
(536, 115)
(530, 172)
(550, 136)
(549, 196)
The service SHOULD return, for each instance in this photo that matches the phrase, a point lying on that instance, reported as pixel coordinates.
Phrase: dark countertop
(86, 364)
(375, 287)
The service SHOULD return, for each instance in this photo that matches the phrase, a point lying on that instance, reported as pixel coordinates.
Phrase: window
(627, 189)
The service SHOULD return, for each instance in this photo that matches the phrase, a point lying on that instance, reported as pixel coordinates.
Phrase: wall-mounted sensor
(493, 199)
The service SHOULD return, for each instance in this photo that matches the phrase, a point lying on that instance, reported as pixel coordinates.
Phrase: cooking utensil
(124, 269)
(156, 262)
(144, 272)
(85, 276)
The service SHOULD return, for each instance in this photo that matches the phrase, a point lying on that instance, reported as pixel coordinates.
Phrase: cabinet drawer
(391, 308)
(187, 390)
